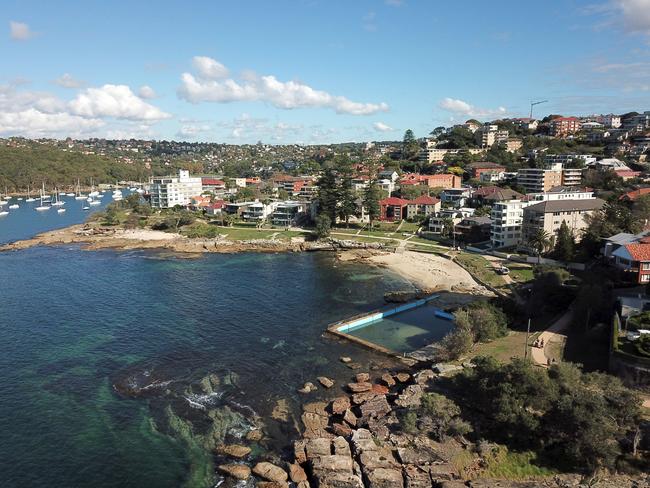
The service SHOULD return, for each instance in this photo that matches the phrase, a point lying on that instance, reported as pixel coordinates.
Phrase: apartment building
(562, 193)
(549, 215)
(512, 144)
(564, 126)
(441, 180)
(538, 180)
(422, 206)
(507, 218)
(288, 213)
(610, 121)
(430, 153)
(169, 191)
(567, 159)
(489, 134)
(481, 167)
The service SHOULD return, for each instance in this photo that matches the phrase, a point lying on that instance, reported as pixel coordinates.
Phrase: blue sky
(311, 71)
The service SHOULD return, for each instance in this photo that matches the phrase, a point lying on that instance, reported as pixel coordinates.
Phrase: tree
(486, 321)
(323, 225)
(457, 343)
(539, 241)
(371, 201)
(410, 146)
(347, 197)
(283, 194)
(327, 193)
(565, 243)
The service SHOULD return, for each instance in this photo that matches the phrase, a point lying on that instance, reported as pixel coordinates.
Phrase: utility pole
(532, 104)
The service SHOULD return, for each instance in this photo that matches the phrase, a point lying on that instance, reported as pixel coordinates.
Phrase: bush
(486, 321)
(323, 226)
(457, 343)
(205, 231)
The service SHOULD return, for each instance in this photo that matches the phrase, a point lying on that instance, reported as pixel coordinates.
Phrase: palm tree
(540, 241)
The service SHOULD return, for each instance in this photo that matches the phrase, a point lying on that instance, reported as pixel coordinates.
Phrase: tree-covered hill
(34, 165)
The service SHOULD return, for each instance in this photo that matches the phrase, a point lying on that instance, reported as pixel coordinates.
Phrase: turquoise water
(406, 331)
(103, 355)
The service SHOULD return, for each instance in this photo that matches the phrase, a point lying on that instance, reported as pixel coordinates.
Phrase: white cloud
(208, 68)
(192, 131)
(461, 107)
(68, 81)
(381, 127)
(394, 3)
(34, 123)
(114, 101)
(147, 92)
(284, 95)
(20, 31)
(636, 15)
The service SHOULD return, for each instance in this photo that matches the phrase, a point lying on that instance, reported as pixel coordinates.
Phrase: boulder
(362, 441)
(318, 447)
(360, 387)
(443, 368)
(402, 377)
(333, 462)
(379, 428)
(341, 429)
(299, 452)
(325, 381)
(362, 377)
(296, 473)
(350, 418)
(380, 458)
(359, 398)
(272, 484)
(308, 388)
(255, 435)
(346, 359)
(388, 379)
(340, 405)
(380, 389)
(333, 479)
(410, 397)
(341, 447)
(315, 420)
(424, 376)
(233, 450)
(377, 407)
(417, 456)
(385, 478)
(281, 410)
(237, 471)
(270, 472)
(354, 366)
(417, 477)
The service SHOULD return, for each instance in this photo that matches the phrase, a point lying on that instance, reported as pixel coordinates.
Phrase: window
(645, 266)
(645, 278)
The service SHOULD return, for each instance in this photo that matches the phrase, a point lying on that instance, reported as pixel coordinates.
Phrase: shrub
(205, 231)
(457, 343)
(486, 321)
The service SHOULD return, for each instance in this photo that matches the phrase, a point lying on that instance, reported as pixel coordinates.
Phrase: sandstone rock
(410, 397)
(379, 428)
(281, 410)
(341, 447)
(308, 388)
(354, 366)
(340, 405)
(424, 376)
(237, 471)
(417, 477)
(272, 484)
(453, 484)
(359, 398)
(350, 418)
(362, 441)
(346, 359)
(388, 379)
(233, 450)
(385, 478)
(318, 447)
(341, 429)
(417, 456)
(380, 389)
(296, 473)
(362, 377)
(315, 420)
(377, 407)
(332, 462)
(303, 484)
(270, 472)
(325, 381)
(338, 480)
(360, 387)
(299, 452)
(255, 435)
(402, 377)
(442, 472)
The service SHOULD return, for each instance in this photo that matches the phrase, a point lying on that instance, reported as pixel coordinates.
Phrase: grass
(481, 268)
(521, 273)
(504, 348)
(514, 465)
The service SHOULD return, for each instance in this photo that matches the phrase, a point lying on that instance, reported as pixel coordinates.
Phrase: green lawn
(521, 273)
(481, 268)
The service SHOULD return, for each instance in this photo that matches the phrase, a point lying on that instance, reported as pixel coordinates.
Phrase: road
(554, 334)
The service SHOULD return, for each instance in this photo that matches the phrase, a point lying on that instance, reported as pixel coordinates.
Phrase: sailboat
(29, 195)
(57, 202)
(3, 213)
(42, 207)
(79, 196)
(14, 206)
(2, 200)
(45, 196)
(93, 192)
(60, 210)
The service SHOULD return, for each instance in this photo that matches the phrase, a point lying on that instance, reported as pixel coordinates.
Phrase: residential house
(287, 214)
(634, 194)
(422, 206)
(213, 185)
(477, 169)
(456, 197)
(634, 259)
(627, 174)
(215, 207)
(474, 229)
(169, 191)
(489, 195)
(439, 222)
(549, 216)
(393, 209)
(526, 123)
(258, 211)
(564, 126)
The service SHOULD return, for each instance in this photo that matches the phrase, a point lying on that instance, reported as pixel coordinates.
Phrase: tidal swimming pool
(406, 331)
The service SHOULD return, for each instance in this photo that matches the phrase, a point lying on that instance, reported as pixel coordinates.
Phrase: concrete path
(554, 334)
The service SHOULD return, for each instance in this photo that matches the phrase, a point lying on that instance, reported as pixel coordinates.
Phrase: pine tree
(410, 146)
(371, 201)
(565, 244)
(327, 193)
(347, 198)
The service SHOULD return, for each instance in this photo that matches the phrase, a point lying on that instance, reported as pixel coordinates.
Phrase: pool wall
(343, 327)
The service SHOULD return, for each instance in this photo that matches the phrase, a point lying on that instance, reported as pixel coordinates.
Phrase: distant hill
(35, 164)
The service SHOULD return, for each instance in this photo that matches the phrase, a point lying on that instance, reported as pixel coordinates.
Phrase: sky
(311, 71)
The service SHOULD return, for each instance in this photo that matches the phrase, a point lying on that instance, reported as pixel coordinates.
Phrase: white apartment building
(431, 153)
(562, 193)
(610, 121)
(565, 159)
(169, 191)
(489, 134)
(507, 218)
(258, 211)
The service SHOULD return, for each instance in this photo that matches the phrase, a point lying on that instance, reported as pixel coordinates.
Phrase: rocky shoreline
(354, 441)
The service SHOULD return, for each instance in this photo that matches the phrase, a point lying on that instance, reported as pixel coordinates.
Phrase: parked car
(503, 270)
